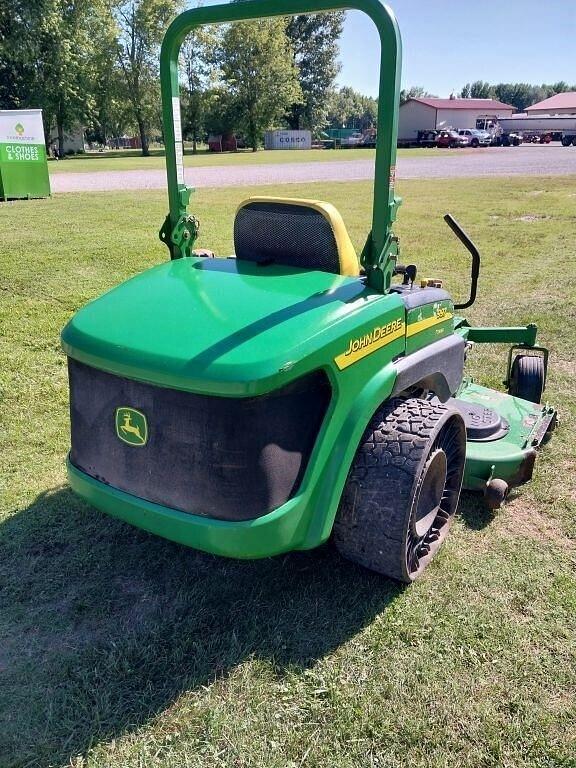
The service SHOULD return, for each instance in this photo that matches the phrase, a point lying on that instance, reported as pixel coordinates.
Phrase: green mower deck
(264, 402)
(509, 452)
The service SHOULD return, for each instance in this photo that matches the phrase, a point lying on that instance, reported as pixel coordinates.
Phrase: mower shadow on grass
(472, 510)
(102, 626)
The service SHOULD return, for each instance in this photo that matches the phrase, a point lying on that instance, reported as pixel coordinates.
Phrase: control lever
(473, 251)
(408, 272)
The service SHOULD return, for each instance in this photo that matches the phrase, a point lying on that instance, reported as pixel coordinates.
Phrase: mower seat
(308, 234)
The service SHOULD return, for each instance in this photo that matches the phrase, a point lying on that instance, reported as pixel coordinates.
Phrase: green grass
(132, 160)
(121, 650)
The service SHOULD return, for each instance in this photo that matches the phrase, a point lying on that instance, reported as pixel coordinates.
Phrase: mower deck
(503, 433)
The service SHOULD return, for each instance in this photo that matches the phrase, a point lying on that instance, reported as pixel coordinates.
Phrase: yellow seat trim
(347, 258)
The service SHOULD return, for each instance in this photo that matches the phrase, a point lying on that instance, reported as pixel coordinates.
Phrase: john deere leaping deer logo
(131, 426)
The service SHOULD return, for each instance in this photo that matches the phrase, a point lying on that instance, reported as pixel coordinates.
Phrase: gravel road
(529, 160)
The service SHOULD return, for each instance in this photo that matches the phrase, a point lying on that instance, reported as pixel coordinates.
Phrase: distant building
(73, 140)
(428, 114)
(559, 104)
(124, 142)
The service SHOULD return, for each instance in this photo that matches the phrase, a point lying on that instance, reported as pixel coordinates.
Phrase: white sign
(23, 126)
(177, 123)
(22, 152)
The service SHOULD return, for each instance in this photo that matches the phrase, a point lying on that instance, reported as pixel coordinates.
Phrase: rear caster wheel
(527, 378)
(403, 488)
(495, 493)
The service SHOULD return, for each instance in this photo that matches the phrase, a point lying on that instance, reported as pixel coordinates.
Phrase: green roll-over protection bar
(179, 230)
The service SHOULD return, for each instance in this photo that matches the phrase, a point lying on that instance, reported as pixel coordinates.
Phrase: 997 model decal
(440, 314)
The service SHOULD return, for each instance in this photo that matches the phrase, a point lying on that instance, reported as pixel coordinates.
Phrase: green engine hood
(222, 326)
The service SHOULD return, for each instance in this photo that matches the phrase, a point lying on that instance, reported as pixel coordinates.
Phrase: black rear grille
(226, 458)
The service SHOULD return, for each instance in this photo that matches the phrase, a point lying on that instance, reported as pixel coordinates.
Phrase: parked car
(476, 138)
(452, 139)
(427, 138)
(354, 140)
(369, 138)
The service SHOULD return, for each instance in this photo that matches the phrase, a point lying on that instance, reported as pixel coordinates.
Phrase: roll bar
(180, 229)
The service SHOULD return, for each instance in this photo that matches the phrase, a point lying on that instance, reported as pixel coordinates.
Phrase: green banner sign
(23, 162)
(14, 153)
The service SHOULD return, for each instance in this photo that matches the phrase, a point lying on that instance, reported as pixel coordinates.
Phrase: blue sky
(448, 43)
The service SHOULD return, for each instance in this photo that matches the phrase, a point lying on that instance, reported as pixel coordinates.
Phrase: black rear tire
(527, 378)
(403, 488)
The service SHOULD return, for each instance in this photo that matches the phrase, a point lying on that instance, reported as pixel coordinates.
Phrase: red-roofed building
(427, 114)
(559, 104)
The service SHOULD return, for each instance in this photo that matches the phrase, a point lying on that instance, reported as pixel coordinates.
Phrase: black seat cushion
(285, 233)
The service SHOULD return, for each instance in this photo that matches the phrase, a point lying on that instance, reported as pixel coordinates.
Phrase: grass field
(120, 650)
(132, 160)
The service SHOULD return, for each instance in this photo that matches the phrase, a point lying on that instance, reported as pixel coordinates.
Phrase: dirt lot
(528, 160)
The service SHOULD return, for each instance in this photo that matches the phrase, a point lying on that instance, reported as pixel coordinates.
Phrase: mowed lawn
(132, 160)
(121, 650)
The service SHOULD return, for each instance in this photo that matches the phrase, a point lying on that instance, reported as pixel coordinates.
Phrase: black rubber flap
(482, 424)
(227, 458)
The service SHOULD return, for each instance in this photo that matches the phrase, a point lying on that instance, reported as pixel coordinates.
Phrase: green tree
(48, 51)
(198, 55)
(110, 112)
(16, 55)
(350, 109)
(314, 40)
(258, 68)
(61, 50)
(560, 87)
(414, 92)
(220, 115)
(518, 95)
(481, 90)
(141, 26)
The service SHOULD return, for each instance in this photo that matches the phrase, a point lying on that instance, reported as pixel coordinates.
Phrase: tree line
(518, 95)
(95, 64)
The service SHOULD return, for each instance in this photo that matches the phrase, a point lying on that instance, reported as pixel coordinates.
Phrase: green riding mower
(261, 403)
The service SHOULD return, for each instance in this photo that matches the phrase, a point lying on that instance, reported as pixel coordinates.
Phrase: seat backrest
(308, 234)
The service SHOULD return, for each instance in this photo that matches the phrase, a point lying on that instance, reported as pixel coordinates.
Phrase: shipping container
(288, 140)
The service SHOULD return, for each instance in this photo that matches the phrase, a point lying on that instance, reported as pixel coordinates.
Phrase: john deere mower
(264, 402)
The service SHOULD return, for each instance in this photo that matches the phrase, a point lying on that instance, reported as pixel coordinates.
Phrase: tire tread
(371, 524)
